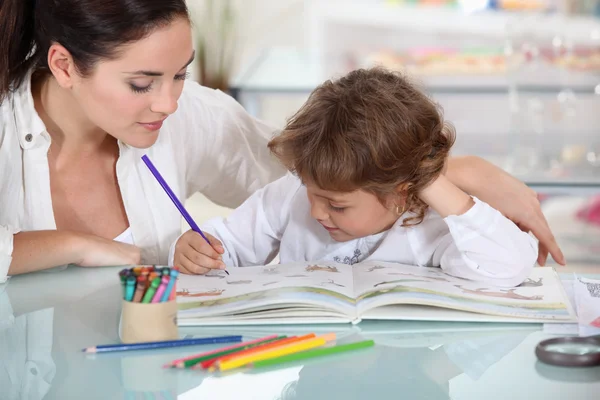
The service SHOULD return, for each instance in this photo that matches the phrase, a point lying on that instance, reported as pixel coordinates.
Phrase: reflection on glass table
(27, 369)
(47, 318)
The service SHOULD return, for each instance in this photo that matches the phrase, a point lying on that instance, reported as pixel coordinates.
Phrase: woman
(86, 86)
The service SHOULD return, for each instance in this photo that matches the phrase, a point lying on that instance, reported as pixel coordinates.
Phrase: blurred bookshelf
(519, 80)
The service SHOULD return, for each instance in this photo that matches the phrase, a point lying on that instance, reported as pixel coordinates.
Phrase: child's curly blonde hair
(371, 130)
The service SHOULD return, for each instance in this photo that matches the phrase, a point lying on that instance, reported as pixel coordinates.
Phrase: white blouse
(209, 145)
(480, 245)
(125, 237)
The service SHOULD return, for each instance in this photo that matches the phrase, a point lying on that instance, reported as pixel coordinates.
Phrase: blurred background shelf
(562, 155)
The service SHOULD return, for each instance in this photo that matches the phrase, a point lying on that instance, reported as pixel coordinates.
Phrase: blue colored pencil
(161, 345)
(172, 196)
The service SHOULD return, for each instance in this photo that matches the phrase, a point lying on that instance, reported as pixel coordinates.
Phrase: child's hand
(194, 256)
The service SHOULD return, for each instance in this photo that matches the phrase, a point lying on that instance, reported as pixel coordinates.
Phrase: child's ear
(397, 198)
(402, 189)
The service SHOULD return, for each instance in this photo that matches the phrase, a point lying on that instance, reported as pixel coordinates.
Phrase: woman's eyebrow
(157, 73)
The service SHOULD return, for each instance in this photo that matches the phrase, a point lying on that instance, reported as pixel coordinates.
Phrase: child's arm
(249, 236)
(471, 240)
(508, 195)
(445, 198)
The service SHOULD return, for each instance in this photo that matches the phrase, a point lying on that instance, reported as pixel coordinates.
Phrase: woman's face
(130, 96)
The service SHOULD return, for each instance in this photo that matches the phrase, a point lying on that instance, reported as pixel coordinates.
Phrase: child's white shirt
(480, 245)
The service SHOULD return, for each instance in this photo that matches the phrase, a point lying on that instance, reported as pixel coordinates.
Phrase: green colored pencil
(193, 361)
(313, 353)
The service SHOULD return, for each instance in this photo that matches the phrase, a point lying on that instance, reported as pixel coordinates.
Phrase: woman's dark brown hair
(371, 130)
(89, 29)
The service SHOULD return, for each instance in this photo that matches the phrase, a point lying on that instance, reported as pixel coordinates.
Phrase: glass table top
(46, 319)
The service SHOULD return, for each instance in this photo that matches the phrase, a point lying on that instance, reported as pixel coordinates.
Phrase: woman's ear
(61, 65)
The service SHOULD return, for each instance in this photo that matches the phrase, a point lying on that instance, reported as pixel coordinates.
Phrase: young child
(367, 155)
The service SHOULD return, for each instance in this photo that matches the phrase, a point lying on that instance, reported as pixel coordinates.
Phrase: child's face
(352, 215)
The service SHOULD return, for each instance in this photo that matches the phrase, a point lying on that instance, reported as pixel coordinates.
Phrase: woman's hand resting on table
(38, 250)
(98, 252)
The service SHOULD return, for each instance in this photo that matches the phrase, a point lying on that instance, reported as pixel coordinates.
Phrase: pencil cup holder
(148, 322)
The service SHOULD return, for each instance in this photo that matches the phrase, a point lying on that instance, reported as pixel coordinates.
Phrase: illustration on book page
(213, 273)
(211, 292)
(313, 268)
(270, 270)
(501, 293)
(531, 283)
(399, 281)
(434, 278)
(240, 282)
(331, 282)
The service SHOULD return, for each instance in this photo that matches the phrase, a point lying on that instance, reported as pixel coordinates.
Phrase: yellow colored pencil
(291, 348)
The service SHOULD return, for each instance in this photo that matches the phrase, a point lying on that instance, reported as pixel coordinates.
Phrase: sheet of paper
(587, 298)
(565, 329)
(584, 295)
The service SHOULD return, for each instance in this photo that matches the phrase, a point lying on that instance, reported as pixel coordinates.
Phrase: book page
(541, 295)
(262, 288)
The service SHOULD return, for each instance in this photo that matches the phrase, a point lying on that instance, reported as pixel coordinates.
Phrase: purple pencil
(172, 196)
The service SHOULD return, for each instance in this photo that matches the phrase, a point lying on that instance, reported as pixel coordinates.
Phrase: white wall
(261, 24)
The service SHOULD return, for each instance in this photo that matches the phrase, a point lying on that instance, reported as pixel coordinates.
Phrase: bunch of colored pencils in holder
(266, 352)
(148, 284)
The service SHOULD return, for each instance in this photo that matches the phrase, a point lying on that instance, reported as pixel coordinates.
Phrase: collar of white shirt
(27, 121)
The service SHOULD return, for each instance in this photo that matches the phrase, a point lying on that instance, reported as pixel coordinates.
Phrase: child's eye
(337, 209)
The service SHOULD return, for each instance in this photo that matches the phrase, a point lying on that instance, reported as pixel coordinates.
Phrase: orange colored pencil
(271, 345)
(298, 346)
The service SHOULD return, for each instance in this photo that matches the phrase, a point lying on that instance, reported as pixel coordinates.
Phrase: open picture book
(309, 293)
